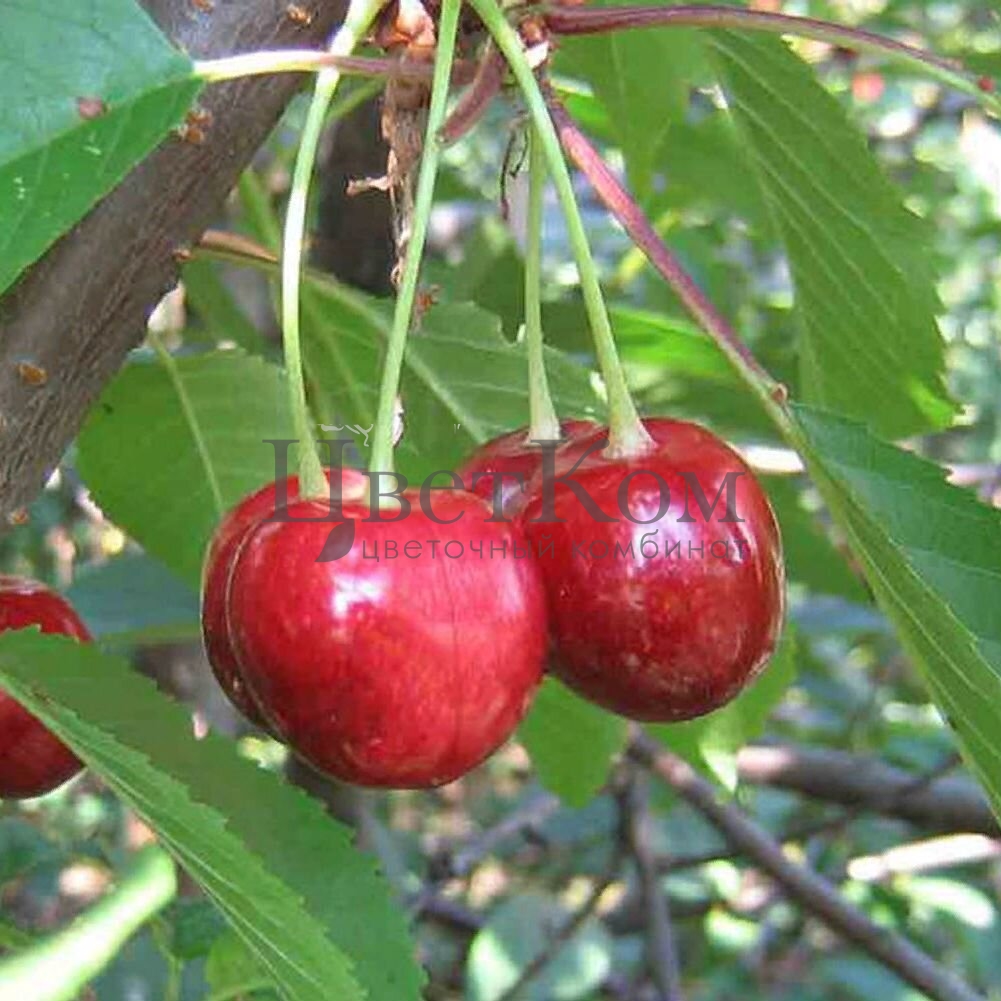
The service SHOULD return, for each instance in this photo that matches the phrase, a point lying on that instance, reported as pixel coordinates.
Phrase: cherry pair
(406, 656)
(663, 570)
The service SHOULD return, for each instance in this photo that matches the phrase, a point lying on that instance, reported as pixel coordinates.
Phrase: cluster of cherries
(652, 582)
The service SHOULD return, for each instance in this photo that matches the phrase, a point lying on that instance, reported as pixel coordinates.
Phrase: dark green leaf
(865, 289)
(932, 555)
(286, 875)
(215, 306)
(135, 599)
(58, 156)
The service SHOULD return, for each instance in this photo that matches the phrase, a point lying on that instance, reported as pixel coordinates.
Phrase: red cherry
(225, 544)
(404, 671)
(651, 636)
(512, 453)
(33, 761)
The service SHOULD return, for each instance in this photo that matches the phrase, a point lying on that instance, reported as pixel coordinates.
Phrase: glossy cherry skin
(654, 637)
(512, 453)
(403, 672)
(225, 544)
(33, 761)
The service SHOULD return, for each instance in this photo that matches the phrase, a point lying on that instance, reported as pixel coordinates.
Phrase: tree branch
(79, 310)
(946, 804)
(808, 889)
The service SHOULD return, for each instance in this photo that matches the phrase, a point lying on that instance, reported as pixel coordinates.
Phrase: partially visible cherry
(253, 509)
(404, 671)
(655, 637)
(33, 761)
(513, 453)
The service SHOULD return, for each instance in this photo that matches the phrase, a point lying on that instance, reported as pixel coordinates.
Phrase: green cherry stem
(543, 421)
(361, 13)
(382, 436)
(627, 436)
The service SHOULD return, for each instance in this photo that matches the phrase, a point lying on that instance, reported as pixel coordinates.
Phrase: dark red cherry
(666, 616)
(513, 454)
(33, 761)
(226, 540)
(404, 662)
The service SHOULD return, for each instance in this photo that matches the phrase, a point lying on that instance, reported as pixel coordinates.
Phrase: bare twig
(586, 21)
(947, 804)
(565, 932)
(475, 100)
(925, 856)
(535, 810)
(662, 956)
(811, 891)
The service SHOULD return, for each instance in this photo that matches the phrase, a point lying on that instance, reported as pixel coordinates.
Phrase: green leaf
(642, 78)
(932, 554)
(134, 599)
(231, 970)
(215, 306)
(869, 347)
(571, 742)
(711, 742)
(463, 381)
(810, 556)
(56, 162)
(520, 929)
(168, 450)
(309, 905)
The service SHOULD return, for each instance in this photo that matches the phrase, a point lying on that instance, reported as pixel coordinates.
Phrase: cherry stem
(475, 100)
(591, 20)
(360, 15)
(382, 436)
(624, 209)
(543, 421)
(627, 436)
(315, 60)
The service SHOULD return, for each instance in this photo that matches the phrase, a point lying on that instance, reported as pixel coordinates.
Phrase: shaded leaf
(135, 599)
(520, 929)
(303, 899)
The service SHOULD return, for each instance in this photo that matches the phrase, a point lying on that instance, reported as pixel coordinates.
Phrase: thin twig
(865, 784)
(566, 931)
(925, 856)
(623, 207)
(811, 891)
(662, 956)
(474, 101)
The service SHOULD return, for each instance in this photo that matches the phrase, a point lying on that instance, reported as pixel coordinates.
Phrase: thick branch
(808, 889)
(78, 312)
(946, 804)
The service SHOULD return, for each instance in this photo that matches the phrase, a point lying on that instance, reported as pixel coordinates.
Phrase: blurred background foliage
(493, 866)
